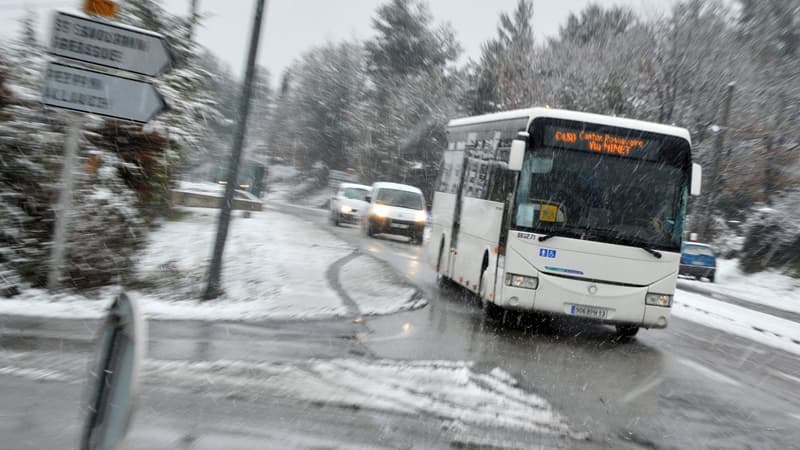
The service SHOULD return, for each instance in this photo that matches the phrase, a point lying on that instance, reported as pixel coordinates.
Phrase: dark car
(698, 260)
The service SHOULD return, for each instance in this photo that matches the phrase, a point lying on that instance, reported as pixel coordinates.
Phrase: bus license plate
(588, 311)
(402, 226)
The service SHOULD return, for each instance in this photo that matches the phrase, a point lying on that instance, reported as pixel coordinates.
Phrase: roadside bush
(772, 236)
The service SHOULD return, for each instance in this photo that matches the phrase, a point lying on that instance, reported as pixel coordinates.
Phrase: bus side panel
(480, 232)
(441, 224)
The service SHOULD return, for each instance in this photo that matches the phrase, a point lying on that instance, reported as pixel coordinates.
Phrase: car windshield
(697, 250)
(399, 198)
(355, 193)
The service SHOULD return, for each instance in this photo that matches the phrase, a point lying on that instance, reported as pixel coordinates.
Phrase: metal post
(213, 289)
(64, 205)
(716, 175)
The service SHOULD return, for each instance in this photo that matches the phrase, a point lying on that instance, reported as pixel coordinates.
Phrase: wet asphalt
(688, 386)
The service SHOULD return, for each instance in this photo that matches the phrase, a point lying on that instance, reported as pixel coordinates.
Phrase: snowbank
(770, 288)
(275, 267)
(376, 289)
(450, 391)
(202, 187)
(764, 328)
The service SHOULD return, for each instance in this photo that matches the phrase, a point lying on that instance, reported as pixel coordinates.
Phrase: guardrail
(242, 201)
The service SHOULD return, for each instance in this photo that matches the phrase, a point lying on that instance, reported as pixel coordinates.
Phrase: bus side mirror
(517, 153)
(697, 179)
(368, 199)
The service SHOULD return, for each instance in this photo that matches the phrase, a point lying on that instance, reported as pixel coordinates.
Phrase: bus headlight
(521, 281)
(420, 216)
(658, 300)
(346, 209)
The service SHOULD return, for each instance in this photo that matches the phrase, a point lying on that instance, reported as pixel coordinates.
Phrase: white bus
(564, 212)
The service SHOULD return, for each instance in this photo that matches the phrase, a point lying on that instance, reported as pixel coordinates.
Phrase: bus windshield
(603, 197)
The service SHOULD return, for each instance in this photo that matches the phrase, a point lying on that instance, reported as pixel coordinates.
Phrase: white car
(396, 209)
(349, 203)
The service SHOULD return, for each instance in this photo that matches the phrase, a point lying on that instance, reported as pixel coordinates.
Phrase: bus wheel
(441, 281)
(627, 331)
(491, 310)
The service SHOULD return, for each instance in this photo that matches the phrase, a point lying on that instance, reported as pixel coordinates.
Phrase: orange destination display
(603, 142)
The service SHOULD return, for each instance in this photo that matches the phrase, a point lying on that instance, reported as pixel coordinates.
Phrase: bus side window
(450, 172)
(476, 185)
(501, 183)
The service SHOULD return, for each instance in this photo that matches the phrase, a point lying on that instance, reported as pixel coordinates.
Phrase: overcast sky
(293, 26)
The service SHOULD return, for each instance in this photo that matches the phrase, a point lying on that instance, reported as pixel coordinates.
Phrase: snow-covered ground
(275, 267)
(375, 289)
(286, 185)
(206, 187)
(462, 398)
(451, 391)
(770, 288)
(764, 328)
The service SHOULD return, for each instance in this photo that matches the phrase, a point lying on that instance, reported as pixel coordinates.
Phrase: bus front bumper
(607, 303)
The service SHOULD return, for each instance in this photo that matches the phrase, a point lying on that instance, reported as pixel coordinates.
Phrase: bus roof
(532, 113)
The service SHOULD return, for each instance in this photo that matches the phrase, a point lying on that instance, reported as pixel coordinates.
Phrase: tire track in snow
(332, 275)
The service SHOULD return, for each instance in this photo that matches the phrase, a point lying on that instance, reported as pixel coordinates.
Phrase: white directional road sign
(99, 93)
(109, 44)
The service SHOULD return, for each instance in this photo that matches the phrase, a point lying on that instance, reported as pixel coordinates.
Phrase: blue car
(698, 260)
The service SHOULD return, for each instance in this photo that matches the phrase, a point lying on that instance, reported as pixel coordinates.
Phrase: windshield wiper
(546, 237)
(655, 253)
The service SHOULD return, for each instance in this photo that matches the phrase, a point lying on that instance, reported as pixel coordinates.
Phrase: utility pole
(770, 171)
(716, 163)
(194, 5)
(214, 287)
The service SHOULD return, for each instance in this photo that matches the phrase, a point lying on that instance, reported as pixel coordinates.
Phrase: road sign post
(103, 43)
(64, 205)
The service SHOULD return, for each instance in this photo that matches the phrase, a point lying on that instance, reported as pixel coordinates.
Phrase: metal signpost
(214, 286)
(96, 41)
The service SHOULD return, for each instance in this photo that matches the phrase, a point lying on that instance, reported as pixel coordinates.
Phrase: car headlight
(522, 281)
(420, 216)
(658, 300)
(345, 209)
(380, 211)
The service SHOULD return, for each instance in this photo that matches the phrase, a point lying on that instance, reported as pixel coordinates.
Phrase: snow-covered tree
(411, 91)
(187, 87)
(505, 73)
(105, 228)
(772, 235)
